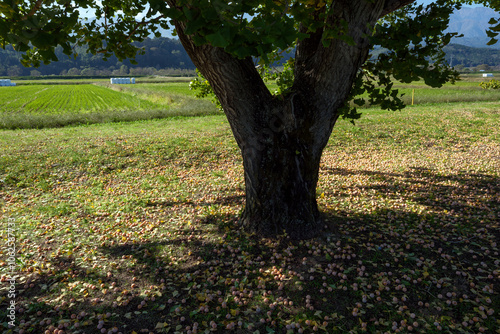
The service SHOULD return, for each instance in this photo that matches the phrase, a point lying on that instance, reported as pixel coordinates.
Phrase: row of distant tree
(472, 58)
(162, 56)
(166, 56)
(17, 71)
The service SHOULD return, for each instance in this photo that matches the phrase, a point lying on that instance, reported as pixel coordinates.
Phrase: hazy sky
(426, 2)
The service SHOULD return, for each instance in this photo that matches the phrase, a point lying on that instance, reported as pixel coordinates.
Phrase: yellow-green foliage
(492, 84)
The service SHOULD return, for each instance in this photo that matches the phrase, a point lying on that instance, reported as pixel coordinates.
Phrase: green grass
(155, 91)
(462, 91)
(467, 90)
(48, 80)
(133, 226)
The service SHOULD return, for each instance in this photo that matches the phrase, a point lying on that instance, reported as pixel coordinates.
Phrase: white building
(122, 81)
(6, 82)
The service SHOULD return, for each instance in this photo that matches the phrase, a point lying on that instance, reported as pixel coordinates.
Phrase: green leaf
(190, 14)
(360, 101)
(210, 14)
(242, 52)
(491, 34)
(495, 28)
(492, 41)
(194, 25)
(217, 39)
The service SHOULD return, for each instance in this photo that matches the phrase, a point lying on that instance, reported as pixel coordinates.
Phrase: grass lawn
(132, 228)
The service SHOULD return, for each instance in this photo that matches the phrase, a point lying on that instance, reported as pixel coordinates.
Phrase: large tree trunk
(282, 138)
(281, 166)
(281, 192)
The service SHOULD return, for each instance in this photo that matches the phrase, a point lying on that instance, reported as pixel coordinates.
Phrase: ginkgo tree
(282, 135)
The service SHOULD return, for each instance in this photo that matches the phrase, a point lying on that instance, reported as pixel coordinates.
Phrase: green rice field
(46, 105)
(43, 99)
(56, 103)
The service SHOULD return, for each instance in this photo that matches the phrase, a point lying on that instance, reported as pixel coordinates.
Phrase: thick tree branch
(308, 47)
(34, 9)
(236, 83)
(392, 5)
(324, 74)
(322, 69)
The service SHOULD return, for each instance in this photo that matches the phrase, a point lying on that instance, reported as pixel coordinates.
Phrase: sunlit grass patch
(417, 93)
(59, 99)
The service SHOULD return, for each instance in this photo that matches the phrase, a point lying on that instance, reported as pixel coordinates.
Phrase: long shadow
(465, 206)
(143, 275)
(461, 192)
(459, 229)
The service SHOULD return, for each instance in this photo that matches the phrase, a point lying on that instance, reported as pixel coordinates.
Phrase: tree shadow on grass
(440, 226)
(464, 194)
(456, 212)
(137, 287)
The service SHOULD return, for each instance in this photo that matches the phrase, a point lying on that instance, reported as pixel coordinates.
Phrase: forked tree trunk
(282, 138)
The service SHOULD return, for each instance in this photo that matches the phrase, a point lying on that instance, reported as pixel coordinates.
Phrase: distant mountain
(160, 53)
(472, 22)
(469, 51)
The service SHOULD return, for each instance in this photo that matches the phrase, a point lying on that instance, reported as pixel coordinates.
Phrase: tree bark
(282, 138)
(281, 169)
